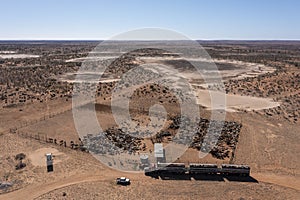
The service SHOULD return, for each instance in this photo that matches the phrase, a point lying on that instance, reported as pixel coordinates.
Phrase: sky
(196, 19)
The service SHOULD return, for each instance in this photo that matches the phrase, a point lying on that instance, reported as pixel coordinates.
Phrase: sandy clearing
(282, 180)
(243, 69)
(89, 76)
(38, 157)
(234, 103)
(92, 58)
(7, 52)
(4, 56)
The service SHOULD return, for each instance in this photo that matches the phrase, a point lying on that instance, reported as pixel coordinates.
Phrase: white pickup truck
(123, 181)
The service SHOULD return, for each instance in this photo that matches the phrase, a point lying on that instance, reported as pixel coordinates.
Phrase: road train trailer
(230, 169)
(173, 168)
(203, 169)
(198, 169)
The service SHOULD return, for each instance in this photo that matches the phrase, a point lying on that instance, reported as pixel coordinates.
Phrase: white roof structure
(49, 156)
(158, 150)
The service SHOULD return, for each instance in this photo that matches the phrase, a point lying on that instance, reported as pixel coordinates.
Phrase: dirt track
(35, 190)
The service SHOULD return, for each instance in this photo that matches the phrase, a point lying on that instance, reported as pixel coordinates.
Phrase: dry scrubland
(36, 106)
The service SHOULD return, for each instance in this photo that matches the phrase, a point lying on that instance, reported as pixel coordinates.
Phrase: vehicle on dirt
(123, 181)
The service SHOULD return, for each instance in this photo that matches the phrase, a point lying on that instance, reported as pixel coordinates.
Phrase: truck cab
(123, 181)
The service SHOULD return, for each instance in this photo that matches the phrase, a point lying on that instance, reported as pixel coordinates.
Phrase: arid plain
(262, 84)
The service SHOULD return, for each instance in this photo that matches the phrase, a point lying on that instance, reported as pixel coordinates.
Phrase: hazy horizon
(100, 40)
